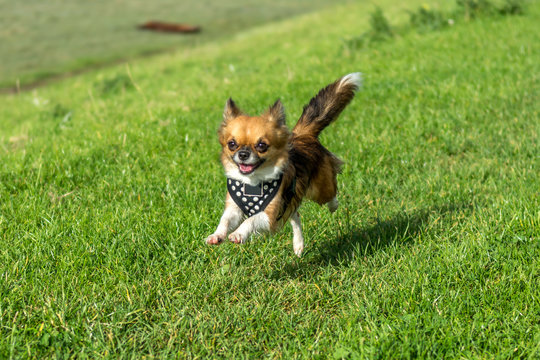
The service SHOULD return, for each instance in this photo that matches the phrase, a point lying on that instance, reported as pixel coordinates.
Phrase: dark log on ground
(170, 27)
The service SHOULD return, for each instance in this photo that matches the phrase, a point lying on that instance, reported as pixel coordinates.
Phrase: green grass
(110, 181)
(40, 40)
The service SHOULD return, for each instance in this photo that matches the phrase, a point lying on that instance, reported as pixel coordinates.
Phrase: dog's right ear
(231, 110)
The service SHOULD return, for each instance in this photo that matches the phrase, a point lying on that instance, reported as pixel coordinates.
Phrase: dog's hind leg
(333, 204)
(298, 238)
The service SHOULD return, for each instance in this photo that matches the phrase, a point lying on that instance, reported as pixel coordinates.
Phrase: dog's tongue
(245, 168)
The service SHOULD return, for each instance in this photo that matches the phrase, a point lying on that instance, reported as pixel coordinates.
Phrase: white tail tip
(353, 79)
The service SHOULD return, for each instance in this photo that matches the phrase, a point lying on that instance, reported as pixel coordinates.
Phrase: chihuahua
(270, 169)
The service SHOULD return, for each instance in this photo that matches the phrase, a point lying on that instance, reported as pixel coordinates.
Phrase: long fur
(326, 106)
(305, 163)
(309, 158)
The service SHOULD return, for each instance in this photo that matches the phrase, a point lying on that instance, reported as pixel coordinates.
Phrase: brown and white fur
(261, 148)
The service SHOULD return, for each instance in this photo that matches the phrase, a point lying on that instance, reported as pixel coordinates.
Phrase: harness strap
(253, 199)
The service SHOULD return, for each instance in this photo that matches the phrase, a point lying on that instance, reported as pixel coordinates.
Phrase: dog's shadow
(400, 230)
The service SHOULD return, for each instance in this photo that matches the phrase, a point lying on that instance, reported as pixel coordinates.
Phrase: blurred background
(40, 40)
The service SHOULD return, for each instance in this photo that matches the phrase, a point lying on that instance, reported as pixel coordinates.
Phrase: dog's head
(255, 148)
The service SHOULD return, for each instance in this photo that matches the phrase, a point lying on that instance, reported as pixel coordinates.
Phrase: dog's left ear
(276, 113)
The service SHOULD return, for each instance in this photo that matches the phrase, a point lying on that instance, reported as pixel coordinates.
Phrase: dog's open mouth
(248, 168)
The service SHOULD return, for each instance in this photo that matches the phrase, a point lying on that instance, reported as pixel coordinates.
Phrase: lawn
(42, 40)
(110, 181)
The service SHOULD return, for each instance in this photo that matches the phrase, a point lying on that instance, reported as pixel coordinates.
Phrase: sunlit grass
(110, 181)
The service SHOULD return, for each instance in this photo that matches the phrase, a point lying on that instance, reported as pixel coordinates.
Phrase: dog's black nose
(243, 154)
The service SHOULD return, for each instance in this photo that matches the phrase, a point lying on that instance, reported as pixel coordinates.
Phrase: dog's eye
(261, 147)
(232, 145)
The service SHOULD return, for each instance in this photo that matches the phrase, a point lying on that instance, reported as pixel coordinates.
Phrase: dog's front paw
(236, 238)
(214, 239)
(298, 249)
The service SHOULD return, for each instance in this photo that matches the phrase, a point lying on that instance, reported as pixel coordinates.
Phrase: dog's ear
(231, 110)
(276, 113)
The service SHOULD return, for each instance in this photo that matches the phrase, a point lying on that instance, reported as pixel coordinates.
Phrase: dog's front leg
(298, 238)
(231, 218)
(256, 223)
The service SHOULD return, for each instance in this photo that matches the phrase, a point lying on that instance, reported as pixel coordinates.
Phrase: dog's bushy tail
(326, 106)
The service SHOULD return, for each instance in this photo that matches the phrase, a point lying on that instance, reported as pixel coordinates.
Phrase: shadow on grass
(400, 230)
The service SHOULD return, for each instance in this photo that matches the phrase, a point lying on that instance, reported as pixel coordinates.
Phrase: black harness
(254, 199)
